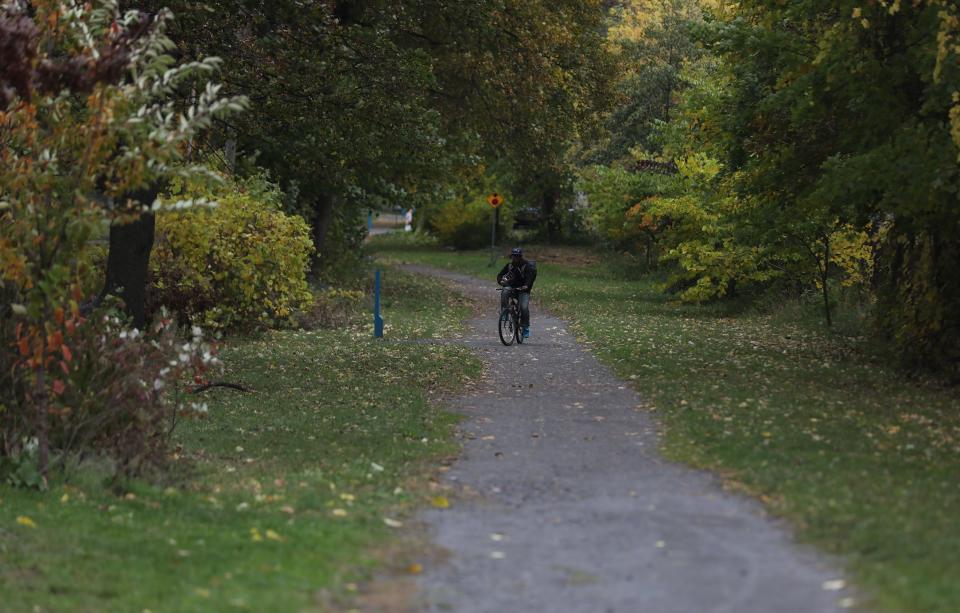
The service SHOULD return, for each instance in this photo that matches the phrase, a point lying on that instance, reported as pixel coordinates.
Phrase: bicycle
(509, 326)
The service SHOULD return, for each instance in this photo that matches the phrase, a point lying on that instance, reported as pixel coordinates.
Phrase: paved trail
(574, 509)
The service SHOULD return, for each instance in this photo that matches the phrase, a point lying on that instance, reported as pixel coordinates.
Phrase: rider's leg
(525, 310)
(505, 299)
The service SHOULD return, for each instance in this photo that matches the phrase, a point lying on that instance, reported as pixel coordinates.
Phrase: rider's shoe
(526, 333)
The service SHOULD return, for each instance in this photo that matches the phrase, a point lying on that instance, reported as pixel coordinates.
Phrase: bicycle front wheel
(517, 328)
(506, 328)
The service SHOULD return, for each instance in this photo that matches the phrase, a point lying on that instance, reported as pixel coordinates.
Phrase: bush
(78, 139)
(240, 264)
(462, 225)
(343, 262)
(614, 194)
(112, 391)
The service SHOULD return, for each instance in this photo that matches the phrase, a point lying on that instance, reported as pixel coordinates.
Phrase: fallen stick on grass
(234, 386)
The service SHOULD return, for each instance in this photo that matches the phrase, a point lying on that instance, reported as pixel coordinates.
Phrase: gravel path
(568, 506)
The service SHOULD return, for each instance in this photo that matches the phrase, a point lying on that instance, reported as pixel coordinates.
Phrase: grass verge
(288, 489)
(863, 462)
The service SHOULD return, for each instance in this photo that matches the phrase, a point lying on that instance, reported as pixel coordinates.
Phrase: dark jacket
(518, 275)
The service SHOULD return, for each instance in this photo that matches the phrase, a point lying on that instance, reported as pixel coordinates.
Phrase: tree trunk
(322, 220)
(128, 260)
(824, 271)
(549, 203)
(230, 153)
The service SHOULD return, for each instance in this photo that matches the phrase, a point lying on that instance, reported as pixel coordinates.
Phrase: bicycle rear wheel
(506, 328)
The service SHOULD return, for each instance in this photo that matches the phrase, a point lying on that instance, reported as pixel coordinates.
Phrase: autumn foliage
(241, 264)
(817, 147)
(86, 118)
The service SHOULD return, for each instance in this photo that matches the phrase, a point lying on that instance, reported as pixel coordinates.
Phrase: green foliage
(840, 124)
(652, 41)
(21, 470)
(374, 101)
(345, 263)
(240, 264)
(463, 224)
(822, 155)
(611, 192)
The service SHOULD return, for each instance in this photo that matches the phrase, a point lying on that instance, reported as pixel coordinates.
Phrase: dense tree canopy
(816, 143)
(366, 99)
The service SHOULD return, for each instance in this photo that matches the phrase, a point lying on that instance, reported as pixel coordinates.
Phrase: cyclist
(518, 275)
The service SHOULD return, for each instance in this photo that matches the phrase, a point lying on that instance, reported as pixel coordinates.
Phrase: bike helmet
(516, 251)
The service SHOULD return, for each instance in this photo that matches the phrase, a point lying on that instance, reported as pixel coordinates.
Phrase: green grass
(287, 488)
(864, 462)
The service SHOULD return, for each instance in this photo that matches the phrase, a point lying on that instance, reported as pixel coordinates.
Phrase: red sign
(495, 199)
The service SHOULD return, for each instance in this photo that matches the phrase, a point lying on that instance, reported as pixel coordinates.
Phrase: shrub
(616, 196)
(343, 261)
(113, 391)
(91, 112)
(462, 225)
(239, 264)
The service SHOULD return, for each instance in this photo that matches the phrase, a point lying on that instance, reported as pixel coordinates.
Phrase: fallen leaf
(273, 536)
(415, 569)
(834, 585)
(440, 502)
(23, 520)
(392, 522)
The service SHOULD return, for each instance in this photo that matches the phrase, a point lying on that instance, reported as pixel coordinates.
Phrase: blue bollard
(370, 222)
(377, 320)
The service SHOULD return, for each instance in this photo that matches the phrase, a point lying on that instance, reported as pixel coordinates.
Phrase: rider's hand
(523, 289)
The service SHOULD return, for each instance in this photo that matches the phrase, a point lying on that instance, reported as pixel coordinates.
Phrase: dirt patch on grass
(389, 596)
(395, 589)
